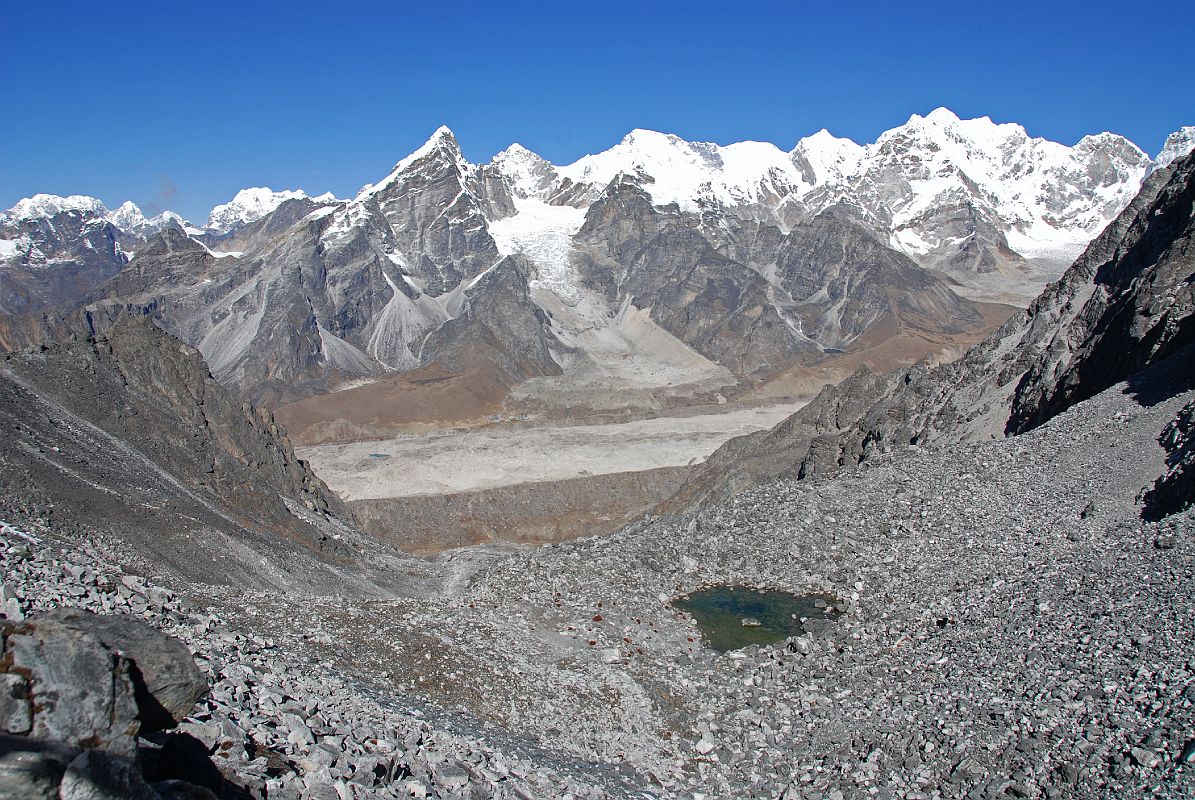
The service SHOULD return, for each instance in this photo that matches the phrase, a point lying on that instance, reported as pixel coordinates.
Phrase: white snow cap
(254, 203)
(1178, 145)
(688, 173)
(47, 205)
(128, 217)
(443, 140)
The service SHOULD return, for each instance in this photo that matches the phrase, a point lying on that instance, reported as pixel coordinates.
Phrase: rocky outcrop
(846, 283)
(1124, 305)
(129, 433)
(1140, 307)
(93, 681)
(658, 259)
(1174, 490)
(166, 682)
(92, 688)
(498, 328)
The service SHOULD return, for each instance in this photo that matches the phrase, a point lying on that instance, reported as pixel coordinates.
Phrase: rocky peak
(1178, 145)
(169, 241)
(441, 145)
(528, 174)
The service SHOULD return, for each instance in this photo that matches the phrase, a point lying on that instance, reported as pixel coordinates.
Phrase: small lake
(771, 615)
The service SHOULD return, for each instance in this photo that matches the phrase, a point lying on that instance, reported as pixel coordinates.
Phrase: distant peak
(941, 116)
(824, 139)
(639, 135)
(47, 205)
(1112, 143)
(516, 152)
(248, 205)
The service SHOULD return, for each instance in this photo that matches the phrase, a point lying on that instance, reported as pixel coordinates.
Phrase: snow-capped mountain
(966, 196)
(250, 205)
(129, 219)
(657, 269)
(47, 205)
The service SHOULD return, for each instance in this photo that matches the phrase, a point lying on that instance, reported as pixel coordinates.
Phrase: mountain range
(656, 273)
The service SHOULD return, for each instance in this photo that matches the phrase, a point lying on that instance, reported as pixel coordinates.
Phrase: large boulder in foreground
(77, 690)
(93, 681)
(166, 682)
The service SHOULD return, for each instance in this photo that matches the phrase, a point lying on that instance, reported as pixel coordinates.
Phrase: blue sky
(178, 105)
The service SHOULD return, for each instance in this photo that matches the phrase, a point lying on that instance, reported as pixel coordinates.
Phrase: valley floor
(465, 460)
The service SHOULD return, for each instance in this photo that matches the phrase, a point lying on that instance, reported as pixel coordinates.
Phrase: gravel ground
(1013, 629)
(495, 456)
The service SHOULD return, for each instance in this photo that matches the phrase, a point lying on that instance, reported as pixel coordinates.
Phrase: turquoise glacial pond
(732, 617)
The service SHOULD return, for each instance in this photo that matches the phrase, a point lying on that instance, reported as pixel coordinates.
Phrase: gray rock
(16, 716)
(165, 677)
(96, 775)
(31, 769)
(80, 689)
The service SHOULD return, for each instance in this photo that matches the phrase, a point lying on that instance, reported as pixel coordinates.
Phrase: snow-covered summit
(691, 174)
(527, 173)
(830, 159)
(43, 206)
(442, 144)
(443, 141)
(1178, 144)
(1048, 199)
(127, 217)
(249, 205)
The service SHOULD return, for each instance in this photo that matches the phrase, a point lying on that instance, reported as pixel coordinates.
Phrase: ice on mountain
(249, 205)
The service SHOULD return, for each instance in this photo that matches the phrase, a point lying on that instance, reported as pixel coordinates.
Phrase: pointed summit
(443, 141)
(527, 172)
(443, 137)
